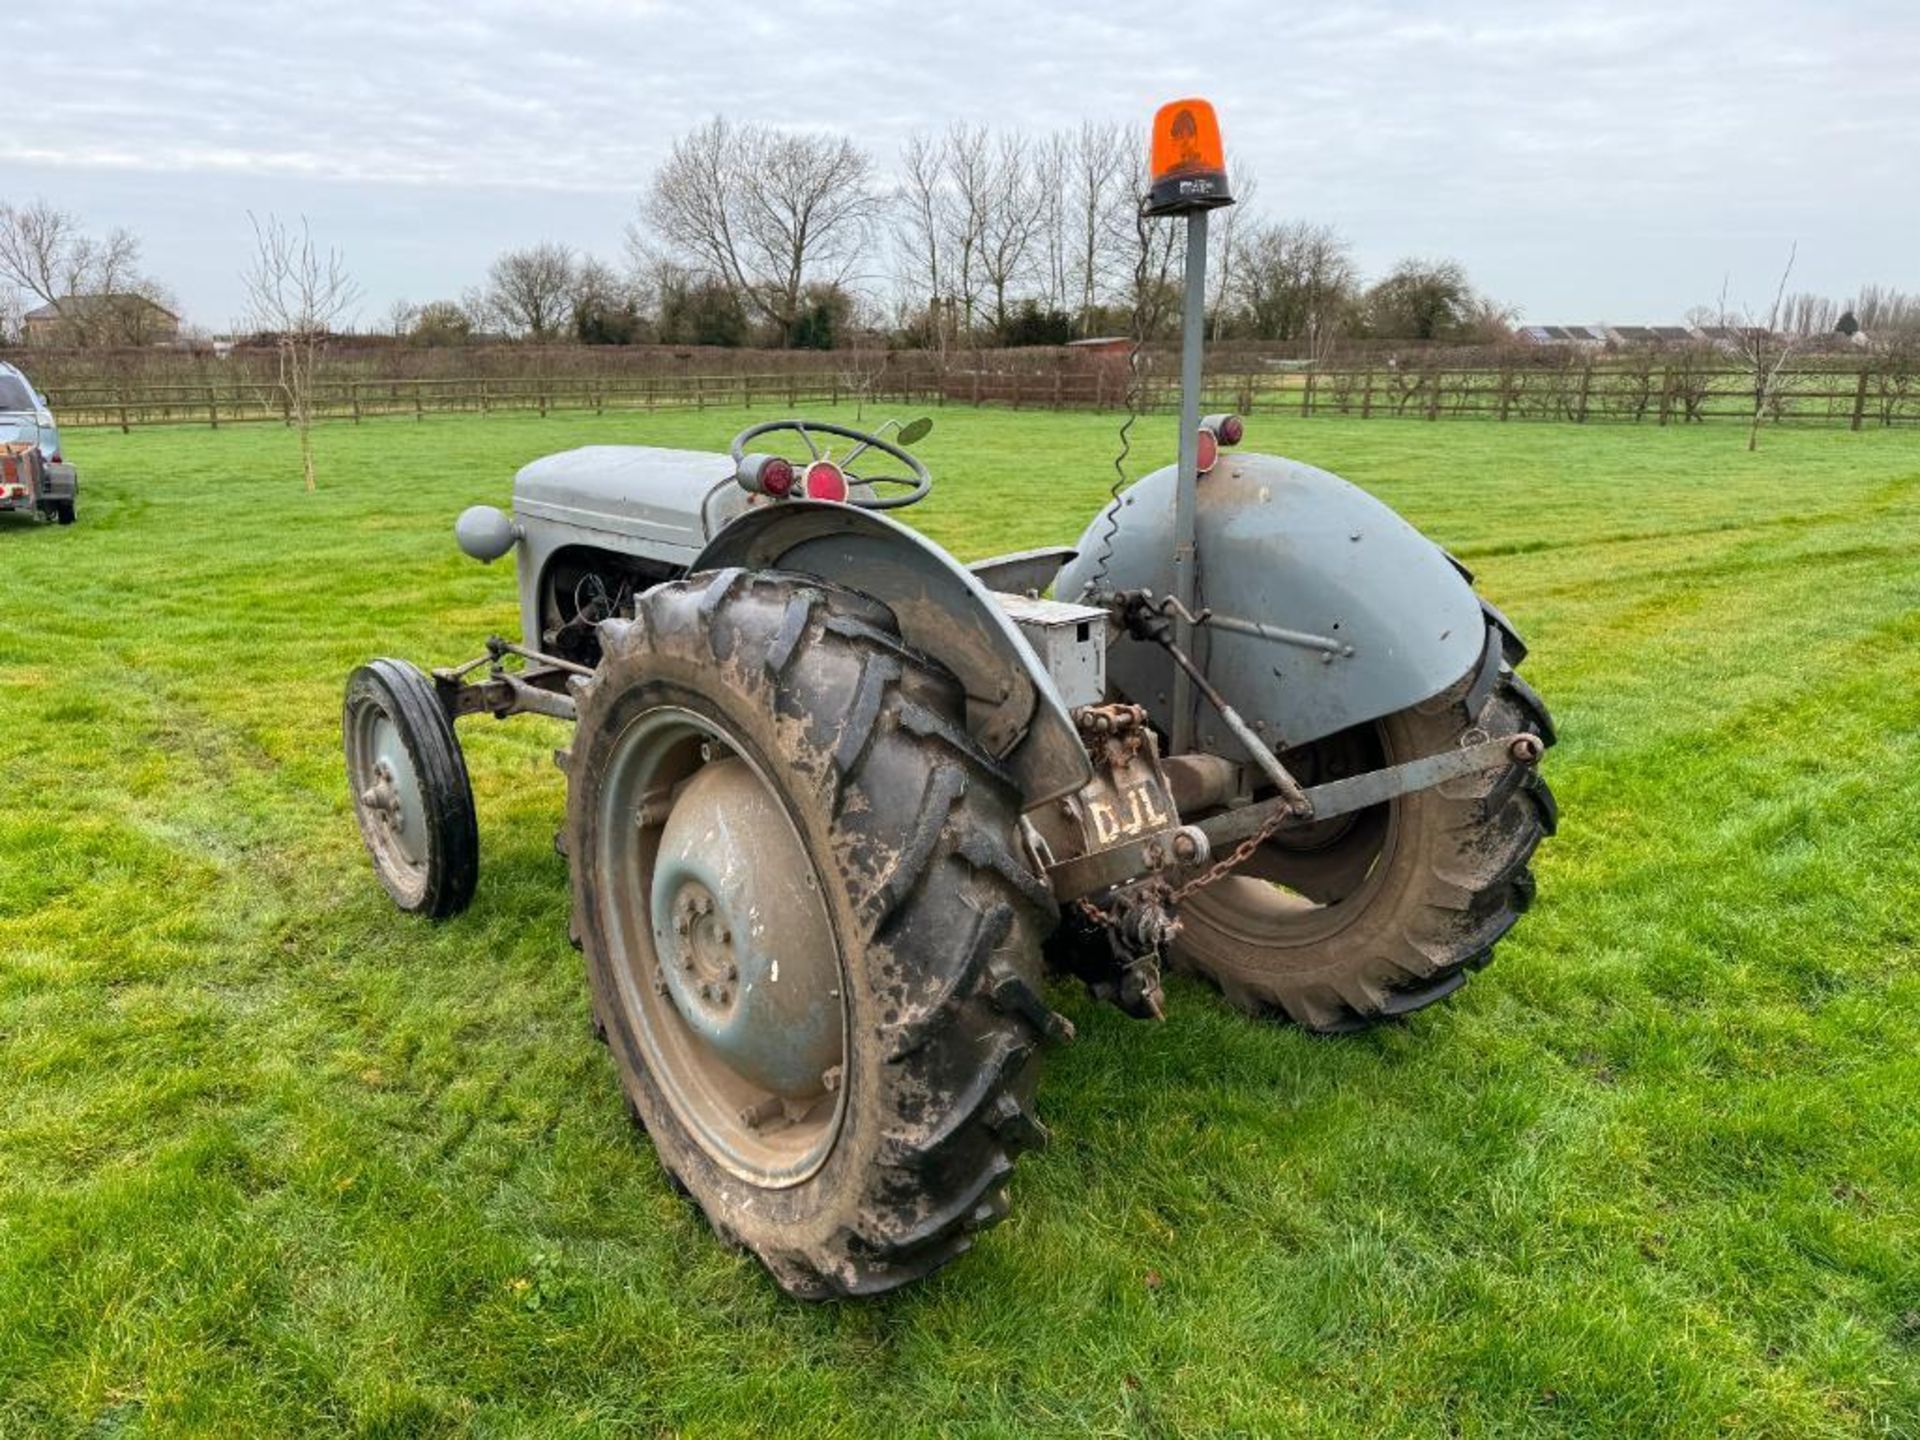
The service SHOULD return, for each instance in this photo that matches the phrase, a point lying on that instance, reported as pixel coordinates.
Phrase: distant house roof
(68, 305)
(1561, 334)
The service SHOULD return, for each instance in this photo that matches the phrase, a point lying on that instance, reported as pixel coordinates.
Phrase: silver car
(34, 475)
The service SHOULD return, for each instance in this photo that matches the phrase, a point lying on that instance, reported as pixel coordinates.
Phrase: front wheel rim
(388, 795)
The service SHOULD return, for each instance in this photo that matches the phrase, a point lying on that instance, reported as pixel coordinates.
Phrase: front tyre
(1371, 916)
(411, 793)
(813, 948)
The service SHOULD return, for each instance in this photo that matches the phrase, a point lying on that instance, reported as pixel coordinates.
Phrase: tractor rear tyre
(812, 943)
(411, 793)
(1371, 916)
(64, 512)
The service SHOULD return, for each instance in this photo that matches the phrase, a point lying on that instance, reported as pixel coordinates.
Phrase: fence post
(1860, 399)
(353, 394)
(1306, 395)
(485, 404)
(1666, 394)
(1433, 396)
(1586, 388)
(213, 410)
(124, 427)
(1366, 397)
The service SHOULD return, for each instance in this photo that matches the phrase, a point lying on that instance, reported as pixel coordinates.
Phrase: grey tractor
(839, 805)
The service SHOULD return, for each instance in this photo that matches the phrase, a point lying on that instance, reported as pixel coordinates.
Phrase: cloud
(1582, 160)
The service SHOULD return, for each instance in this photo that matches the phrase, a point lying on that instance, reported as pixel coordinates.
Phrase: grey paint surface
(644, 500)
(1013, 708)
(1286, 545)
(683, 508)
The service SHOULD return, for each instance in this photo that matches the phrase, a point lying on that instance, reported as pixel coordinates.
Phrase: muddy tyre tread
(921, 819)
(1468, 891)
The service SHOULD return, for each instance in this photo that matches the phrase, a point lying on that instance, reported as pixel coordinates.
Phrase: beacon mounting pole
(1188, 171)
(1187, 484)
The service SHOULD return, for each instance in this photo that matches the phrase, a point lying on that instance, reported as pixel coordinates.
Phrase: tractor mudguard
(1362, 614)
(1014, 709)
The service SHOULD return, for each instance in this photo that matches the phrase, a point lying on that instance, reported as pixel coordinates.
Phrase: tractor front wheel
(813, 945)
(411, 793)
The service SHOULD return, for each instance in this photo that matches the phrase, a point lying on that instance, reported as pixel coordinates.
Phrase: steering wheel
(918, 481)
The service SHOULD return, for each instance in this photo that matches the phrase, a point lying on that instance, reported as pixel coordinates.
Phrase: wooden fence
(1684, 391)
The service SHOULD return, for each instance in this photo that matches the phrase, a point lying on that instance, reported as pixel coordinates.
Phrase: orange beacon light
(1188, 165)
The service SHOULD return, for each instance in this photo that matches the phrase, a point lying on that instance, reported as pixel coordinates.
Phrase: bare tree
(1009, 215)
(923, 228)
(967, 157)
(1763, 346)
(297, 294)
(767, 213)
(12, 314)
(529, 292)
(1882, 311)
(402, 316)
(1226, 242)
(93, 282)
(1296, 281)
(1102, 204)
(1150, 249)
(1805, 313)
(1052, 238)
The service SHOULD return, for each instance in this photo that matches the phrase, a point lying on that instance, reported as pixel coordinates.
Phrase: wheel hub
(744, 946)
(391, 792)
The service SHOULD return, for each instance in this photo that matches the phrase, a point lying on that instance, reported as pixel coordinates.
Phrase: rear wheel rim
(1269, 914)
(724, 963)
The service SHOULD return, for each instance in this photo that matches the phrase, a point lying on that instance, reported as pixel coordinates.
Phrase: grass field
(275, 1161)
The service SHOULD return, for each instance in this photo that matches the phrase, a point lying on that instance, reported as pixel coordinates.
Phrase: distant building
(1620, 335)
(102, 319)
(1561, 335)
(1119, 345)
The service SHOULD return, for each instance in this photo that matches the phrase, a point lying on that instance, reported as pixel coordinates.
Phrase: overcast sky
(1586, 162)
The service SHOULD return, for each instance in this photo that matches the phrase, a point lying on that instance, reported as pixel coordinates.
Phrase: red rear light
(776, 478)
(1209, 450)
(55, 459)
(1226, 428)
(825, 482)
